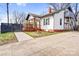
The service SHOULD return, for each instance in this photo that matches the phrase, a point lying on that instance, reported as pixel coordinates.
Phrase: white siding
(57, 18)
(47, 27)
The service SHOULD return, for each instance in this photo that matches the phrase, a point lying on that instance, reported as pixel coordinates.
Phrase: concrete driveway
(21, 36)
(58, 44)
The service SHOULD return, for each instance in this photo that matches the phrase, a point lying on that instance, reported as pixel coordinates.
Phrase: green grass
(7, 38)
(40, 34)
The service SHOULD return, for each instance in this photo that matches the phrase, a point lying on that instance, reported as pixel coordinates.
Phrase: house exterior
(57, 21)
(53, 21)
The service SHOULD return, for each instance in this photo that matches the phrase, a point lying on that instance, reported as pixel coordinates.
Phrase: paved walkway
(58, 44)
(21, 36)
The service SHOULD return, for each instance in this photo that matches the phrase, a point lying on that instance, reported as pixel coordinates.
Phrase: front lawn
(7, 38)
(40, 34)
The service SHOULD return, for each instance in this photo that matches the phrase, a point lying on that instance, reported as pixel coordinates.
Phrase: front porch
(32, 25)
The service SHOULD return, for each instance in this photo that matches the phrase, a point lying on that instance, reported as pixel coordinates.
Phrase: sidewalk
(22, 36)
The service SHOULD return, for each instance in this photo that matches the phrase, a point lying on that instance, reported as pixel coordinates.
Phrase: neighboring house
(69, 20)
(53, 21)
(68, 23)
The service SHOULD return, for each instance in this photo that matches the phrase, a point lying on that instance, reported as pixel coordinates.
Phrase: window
(60, 21)
(43, 21)
(46, 21)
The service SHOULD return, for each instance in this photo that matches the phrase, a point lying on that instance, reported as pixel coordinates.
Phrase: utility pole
(7, 12)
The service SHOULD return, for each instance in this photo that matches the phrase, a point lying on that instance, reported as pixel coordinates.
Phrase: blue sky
(37, 8)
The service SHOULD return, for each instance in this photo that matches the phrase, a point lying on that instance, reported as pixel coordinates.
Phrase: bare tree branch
(59, 6)
(19, 17)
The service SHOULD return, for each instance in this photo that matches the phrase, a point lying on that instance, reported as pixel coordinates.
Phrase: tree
(59, 6)
(19, 17)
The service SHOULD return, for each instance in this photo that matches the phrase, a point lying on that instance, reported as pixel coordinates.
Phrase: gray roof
(49, 14)
(40, 16)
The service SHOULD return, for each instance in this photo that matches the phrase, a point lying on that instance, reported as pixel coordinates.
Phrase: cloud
(4, 18)
(21, 4)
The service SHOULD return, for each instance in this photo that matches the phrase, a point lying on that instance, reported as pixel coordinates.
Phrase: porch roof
(35, 15)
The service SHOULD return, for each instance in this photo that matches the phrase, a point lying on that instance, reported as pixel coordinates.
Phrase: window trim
(46, 21)
(60, 21)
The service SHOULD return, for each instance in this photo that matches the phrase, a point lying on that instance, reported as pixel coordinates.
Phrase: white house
(55, 21)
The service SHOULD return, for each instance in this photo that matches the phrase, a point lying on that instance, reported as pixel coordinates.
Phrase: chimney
(49, 10)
